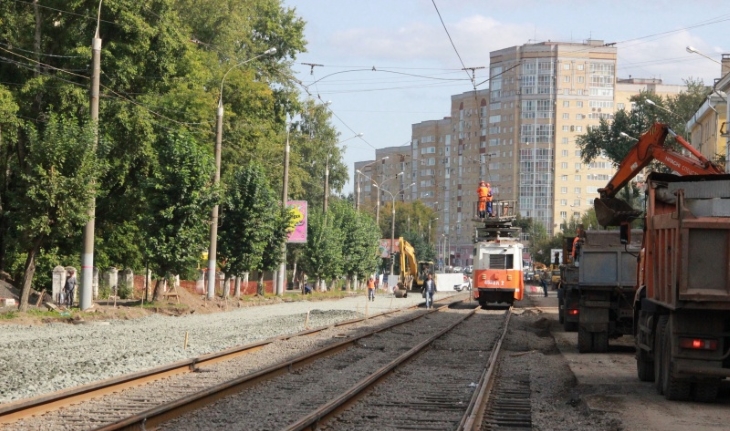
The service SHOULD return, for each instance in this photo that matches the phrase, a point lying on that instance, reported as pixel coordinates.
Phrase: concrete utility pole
(281, 283)
(212, 250)
(326, 182)
(87, 255)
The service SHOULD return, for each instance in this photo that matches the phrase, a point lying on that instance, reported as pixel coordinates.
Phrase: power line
(450, 40)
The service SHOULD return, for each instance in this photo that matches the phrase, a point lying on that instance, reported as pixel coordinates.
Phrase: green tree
(277, 235)
(179, 195)
(360, 244)
(323, 258)
(55, 188)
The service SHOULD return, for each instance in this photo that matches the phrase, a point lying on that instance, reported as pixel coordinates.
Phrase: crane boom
(611, 211)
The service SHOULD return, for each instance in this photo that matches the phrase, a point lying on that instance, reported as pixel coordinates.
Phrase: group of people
(485, 200)
(429, 288)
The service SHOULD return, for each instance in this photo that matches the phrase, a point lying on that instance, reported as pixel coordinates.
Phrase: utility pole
(473, 75)
(312, 66)
(87, 255)
(280, 286)
(326, 182)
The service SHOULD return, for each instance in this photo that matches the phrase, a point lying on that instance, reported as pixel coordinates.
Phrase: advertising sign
(298, 228)
(384, 248)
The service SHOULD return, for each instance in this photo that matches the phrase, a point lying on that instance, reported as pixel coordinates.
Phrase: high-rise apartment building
(520, 136)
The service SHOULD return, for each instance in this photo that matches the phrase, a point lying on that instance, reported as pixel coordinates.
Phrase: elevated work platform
(499, 226)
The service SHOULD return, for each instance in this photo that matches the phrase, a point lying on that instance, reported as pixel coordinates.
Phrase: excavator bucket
(613, 211)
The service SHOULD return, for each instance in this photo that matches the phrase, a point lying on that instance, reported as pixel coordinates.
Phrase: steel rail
(36, 406)
(333, 407)
(475, 412)
(165, 412)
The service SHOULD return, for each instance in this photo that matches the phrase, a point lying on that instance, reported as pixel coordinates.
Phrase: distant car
(529, 276)
(457, 269)
(464, 285)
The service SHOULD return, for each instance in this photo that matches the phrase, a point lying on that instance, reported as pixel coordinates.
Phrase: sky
(387, 64)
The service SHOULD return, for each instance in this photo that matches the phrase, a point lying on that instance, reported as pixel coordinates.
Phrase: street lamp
(218, 139)
(379, 187)
(624, 135)
(327, 171)
(392, 221)
(358, 171)
(651, 102)
(692, 50)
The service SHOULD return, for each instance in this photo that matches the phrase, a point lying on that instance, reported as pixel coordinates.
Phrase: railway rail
(432, 381)
(99, 404)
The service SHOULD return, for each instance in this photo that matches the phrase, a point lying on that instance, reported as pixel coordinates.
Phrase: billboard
(384, 248)
(298, 228)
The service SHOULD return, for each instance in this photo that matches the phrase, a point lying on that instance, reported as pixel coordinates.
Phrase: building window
(564, 140)
(564, 165)
(566, 104)
(576, 190)
(563, 202)
(563, 214)
(579, 104)
(580, 79)
(576, 203)
(577, 166)
(566, 116)
(566, 66)
(566, 128)
(564, 153)
(564, 190)
(620, 106)
(564, 178)
(566, 78)
(577, 153)
(580, 67)
(577, 177)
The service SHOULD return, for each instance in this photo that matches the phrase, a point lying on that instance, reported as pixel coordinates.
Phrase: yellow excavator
(411, 272)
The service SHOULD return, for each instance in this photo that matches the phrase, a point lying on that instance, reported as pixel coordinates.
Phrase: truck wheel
(644, 366)
(600, 342)
(661, 326)
(705, 391)
(674, 389)
(585, 340)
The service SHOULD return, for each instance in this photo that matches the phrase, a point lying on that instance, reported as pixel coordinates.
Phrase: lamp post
(692, 50)
(358, 171)
(392, 220)
(216, 180)
(379, 187)
(327, 172)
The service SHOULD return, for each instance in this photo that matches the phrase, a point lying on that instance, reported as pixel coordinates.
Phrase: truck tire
(585, 340)
(661, 326)
(600, 342)
(644, 366)
(705, 391)
(674, 389)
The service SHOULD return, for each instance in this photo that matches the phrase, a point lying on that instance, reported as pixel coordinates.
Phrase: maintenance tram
(498, 271)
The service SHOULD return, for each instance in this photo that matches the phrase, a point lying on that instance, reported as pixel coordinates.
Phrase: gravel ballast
(41, 359)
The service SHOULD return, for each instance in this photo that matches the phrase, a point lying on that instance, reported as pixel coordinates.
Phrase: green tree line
(151, 172)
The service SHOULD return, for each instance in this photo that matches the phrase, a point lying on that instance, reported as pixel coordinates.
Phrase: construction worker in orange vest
(485, 199)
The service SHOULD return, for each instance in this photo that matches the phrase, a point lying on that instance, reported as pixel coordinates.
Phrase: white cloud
(474, 37)
(668, 59)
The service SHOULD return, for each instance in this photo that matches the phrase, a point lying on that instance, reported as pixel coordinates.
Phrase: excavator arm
(611, 211)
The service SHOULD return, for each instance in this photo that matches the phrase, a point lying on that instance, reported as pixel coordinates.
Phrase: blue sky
(417, 69)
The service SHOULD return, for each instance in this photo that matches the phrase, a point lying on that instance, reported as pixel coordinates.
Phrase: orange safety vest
(485, 193)
(371, 284)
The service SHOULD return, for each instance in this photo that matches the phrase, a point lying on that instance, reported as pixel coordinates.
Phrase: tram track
(433, 382)
(125, 393)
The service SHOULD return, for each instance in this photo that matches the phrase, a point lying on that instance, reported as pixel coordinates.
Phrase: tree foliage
(54, 190)
(180, 196)
(360, 240)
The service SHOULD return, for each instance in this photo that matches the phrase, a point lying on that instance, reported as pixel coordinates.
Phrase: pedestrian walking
(429, 288)
(544, 281)
(69, 288)
(371, 288)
